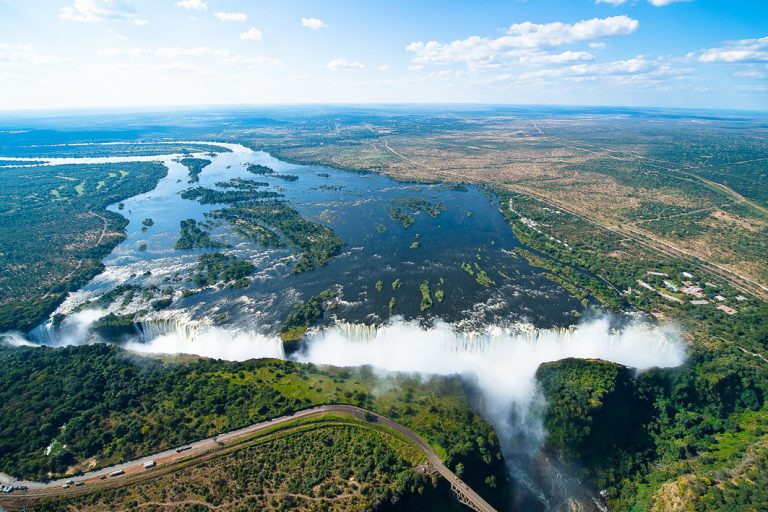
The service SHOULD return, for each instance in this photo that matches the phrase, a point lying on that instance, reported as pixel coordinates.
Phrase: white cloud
(252, 34)
(611, 2)
(178, 53)
(662, 3)
(532, 35)
(597, 46)
(256, 62)
(750, 74)
(557, 58)
(232, 16)
(101, 10)
(192, 5)
(477, 50)
(634, 66)
(313, 23)
(165, 52)
(745, 50)
(753, 88)
(23, 56)
(344, 64)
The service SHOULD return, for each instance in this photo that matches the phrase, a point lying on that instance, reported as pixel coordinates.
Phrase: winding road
(54, 488)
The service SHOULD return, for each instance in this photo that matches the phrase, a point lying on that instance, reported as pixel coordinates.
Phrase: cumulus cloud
(313, 23)
(527, 35)
(633, 66)
(344, 64)
(101, 10)
(556, 58)
(744, 50)
(232, 16)
(611, 2)
(192, 5)
(252, 34)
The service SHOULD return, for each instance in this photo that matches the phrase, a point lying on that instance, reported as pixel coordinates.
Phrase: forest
(316, 243)
(62, 407)
(55, 229)
(305, 316)
(191, 236)
(333, 465)
(195, 166)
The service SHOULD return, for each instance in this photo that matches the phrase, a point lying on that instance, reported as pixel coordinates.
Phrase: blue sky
(133, 53)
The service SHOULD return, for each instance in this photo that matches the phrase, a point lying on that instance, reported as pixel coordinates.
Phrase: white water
(502, 363)
(214, 342)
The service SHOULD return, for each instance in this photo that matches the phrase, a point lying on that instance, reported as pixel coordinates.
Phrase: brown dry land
(610, 181)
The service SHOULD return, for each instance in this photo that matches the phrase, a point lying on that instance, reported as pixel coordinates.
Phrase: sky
(165, 53)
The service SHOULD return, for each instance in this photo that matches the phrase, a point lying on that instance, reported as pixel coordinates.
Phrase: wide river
(494, 334)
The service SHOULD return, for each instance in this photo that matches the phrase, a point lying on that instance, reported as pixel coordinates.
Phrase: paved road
(54, 487)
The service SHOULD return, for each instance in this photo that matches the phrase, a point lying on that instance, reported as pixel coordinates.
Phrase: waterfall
(176, 333)
(177, 324)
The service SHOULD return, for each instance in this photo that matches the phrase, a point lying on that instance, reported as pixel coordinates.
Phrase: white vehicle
(149, 464)
(65, 486)
(117, 473)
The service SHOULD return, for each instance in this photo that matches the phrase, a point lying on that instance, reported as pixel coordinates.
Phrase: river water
(495, 336)
(470, 231)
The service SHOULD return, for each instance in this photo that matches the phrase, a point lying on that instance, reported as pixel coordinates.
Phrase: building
(726, 309)
(670, 285)
(693, 290)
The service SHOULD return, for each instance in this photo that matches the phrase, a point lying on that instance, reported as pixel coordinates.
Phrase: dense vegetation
(327, 465)
(260, 170)
(316, 242)
(102, 404)
(54, 231)
(195, 166)
(305, 316)
(595, 418)
(215, 268)
(241, 184)
(634, 436)
(211, 196)
(192, 236)
(41, 147)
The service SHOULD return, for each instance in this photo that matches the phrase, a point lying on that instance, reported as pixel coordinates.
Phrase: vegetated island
(195, 166)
